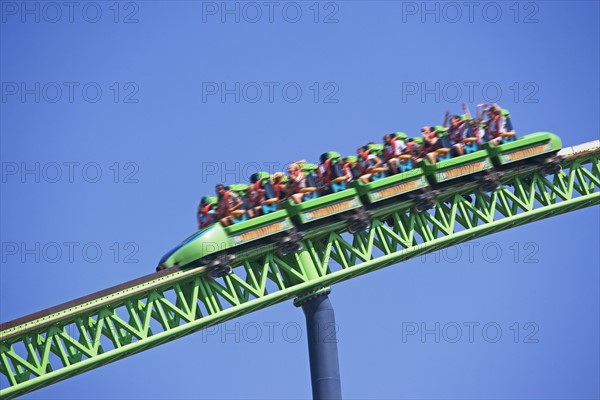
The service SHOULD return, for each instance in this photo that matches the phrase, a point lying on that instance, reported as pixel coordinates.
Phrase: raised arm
(480, 111)
(466, 110)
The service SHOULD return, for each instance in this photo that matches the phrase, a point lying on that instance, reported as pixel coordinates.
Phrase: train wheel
(289, 243)
(424, 206)
(358, 220)
(551, 169)
(488, 186)
(220, 271)
(220, 266)
(357, 226)
(288, 248)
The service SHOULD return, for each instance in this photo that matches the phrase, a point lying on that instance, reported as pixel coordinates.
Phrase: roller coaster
(298, 250)
(344, 201)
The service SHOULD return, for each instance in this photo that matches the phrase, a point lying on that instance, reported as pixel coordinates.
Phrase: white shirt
(399, 147)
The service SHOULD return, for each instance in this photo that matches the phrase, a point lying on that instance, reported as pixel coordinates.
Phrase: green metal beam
(39, 351)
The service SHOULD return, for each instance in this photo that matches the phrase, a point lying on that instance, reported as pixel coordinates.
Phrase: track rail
(63, 341)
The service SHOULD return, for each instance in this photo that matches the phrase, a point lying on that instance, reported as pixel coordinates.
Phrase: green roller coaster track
(67, 340)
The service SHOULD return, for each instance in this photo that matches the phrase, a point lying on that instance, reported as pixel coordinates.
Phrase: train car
(475, 162)
(537, 148)
(208, 247)
(344, 205)
(393, 190)
(444, 171)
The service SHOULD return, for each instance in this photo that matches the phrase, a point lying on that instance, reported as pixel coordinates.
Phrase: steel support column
(322, 348)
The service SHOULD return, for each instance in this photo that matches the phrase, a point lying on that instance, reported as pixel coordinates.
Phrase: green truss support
(41, 350)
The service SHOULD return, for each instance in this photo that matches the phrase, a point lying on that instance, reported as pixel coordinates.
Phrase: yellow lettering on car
(394, 190)
(467, 169)
(260, 232)
(531, 151)
(332, 209)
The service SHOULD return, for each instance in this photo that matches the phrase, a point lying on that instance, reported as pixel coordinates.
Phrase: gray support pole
(322, 348)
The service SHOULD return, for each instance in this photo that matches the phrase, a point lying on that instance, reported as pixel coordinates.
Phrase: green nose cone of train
(201, 244)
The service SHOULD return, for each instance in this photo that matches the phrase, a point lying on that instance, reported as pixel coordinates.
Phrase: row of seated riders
(462, 135)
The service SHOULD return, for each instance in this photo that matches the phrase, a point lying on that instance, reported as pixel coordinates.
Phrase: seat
(445, 141)
(311, 180)
(239, 216)
(443, 154)
(470, 145)
(338, 178)
(204, 221)
(310, 191)
(508, 137)
(406, 162)
(377, 173)
(270, 205)
(338, 184)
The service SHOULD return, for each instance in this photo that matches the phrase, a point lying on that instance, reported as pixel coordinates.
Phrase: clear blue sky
(165, 133)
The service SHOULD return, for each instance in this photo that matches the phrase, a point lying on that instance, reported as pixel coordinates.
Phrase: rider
(205, 214)
(366, 163)
(496, 124)
(349, 165)
(413, 147)
(324, 170)
(458, 130)
(255, 196)
(393, 147)
(296, 182)
(430, 144)
(227, 202)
